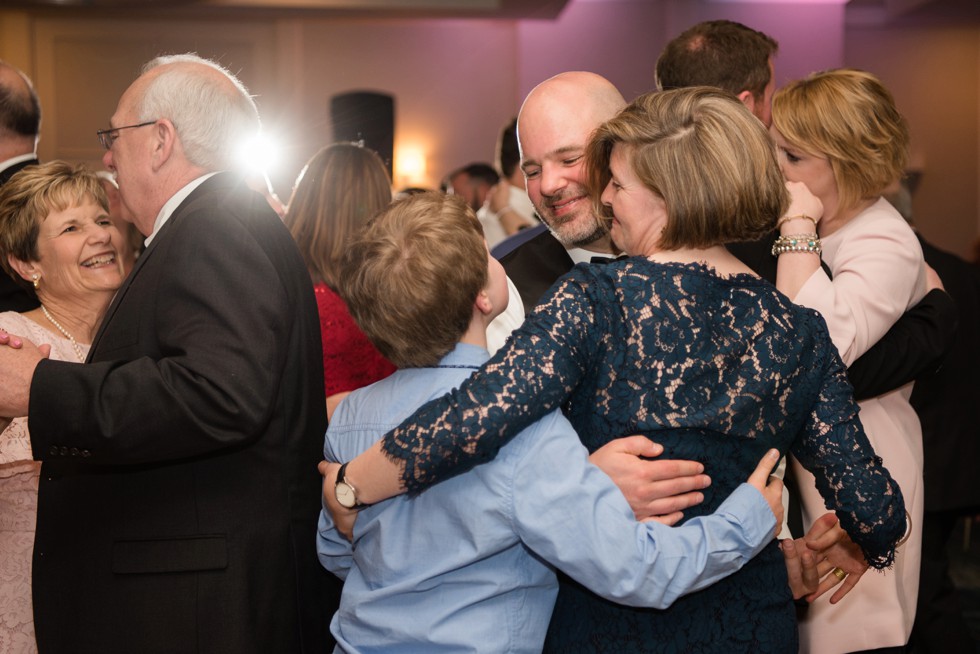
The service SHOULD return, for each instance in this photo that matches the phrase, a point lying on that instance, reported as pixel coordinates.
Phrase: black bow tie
(602, 260)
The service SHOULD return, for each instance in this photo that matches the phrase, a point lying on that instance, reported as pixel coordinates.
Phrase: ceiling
(914, 12)
(505, 9)
(895, 12)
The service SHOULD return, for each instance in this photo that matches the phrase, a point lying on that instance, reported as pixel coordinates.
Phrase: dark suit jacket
(535, 265)
(13, 297)
(914, 346)
(948, 401)
(10, 171)
(179, 493)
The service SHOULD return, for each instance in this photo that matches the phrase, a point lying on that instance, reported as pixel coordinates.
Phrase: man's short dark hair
(479, 172)
(508, 152)
(20, 111)
(719, 53)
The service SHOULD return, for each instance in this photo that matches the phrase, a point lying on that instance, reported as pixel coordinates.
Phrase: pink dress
(349, 360)
(878, 274)
(18, 504)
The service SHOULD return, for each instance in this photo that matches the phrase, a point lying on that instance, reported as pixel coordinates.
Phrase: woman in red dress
(342, 187)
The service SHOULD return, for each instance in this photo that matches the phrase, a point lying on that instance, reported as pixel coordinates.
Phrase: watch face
(345, 495)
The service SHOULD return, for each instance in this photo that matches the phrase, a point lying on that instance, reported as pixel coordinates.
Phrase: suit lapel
(121, 293)
(220, 180)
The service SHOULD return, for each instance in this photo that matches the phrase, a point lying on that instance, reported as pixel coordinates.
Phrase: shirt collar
(581, 255)
(4, 165)
(465, 354)
(171, 205)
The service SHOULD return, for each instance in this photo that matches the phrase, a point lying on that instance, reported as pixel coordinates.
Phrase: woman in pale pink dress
(840, 134)
(55, 234)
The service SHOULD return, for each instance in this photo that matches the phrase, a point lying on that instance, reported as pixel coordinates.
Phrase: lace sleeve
(15, 440)
(849, 475)
(533, 374)
(15, 443)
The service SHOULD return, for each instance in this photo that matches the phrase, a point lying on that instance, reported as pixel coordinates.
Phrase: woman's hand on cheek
(804, 212)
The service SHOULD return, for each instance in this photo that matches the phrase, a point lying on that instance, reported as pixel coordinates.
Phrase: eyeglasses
(108, 136)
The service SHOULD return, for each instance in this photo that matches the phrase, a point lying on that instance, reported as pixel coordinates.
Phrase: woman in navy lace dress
(681, 342)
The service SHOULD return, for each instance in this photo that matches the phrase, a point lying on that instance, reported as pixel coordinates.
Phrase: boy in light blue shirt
(468, 565)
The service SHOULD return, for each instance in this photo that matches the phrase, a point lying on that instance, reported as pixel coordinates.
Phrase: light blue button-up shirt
(466, 566)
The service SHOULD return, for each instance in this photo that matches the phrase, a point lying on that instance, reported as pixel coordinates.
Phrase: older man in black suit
(179, 493)
(20, 124)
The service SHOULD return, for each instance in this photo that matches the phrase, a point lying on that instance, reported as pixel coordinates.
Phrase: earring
(36, 279)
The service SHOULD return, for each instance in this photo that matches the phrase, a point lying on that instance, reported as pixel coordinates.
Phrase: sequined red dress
(349, 360)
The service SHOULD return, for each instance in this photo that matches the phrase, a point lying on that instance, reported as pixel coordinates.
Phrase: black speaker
(368, 117)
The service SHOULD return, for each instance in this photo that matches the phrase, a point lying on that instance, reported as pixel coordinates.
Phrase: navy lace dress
(717, 370)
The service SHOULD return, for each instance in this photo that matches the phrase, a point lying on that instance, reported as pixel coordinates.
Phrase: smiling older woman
(55, 234)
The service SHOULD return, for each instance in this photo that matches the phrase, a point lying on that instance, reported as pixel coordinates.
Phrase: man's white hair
(211, 123)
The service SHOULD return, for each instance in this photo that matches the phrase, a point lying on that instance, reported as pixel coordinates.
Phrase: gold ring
(840, 574)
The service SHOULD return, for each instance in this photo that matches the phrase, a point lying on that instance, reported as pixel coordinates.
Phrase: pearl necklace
(74, 343)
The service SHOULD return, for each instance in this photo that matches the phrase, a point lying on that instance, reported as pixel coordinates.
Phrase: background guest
(507, 209)
(840, 133)
(55, 236)
(20, 127)
(473, 183)
(340, 189)
(726, 55)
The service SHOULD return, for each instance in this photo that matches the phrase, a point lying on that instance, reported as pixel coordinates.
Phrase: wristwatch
(346, 494)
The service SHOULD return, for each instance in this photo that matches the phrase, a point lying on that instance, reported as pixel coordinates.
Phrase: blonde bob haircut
(32, 195)
(705, 154)
(849, 117)
(340, 189)
(411, 276)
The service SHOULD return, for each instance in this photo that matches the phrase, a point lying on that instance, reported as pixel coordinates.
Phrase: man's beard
(584, 234)
(584, 240)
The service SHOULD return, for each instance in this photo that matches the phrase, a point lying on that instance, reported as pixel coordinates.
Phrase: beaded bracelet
(801, 215)
(797, 243)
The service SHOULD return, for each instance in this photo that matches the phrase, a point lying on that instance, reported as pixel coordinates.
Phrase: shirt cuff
(748, 508)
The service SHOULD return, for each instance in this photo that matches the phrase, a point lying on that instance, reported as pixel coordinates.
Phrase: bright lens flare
(258, 156)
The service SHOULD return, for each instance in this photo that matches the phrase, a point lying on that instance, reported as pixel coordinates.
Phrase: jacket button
(53, 451)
